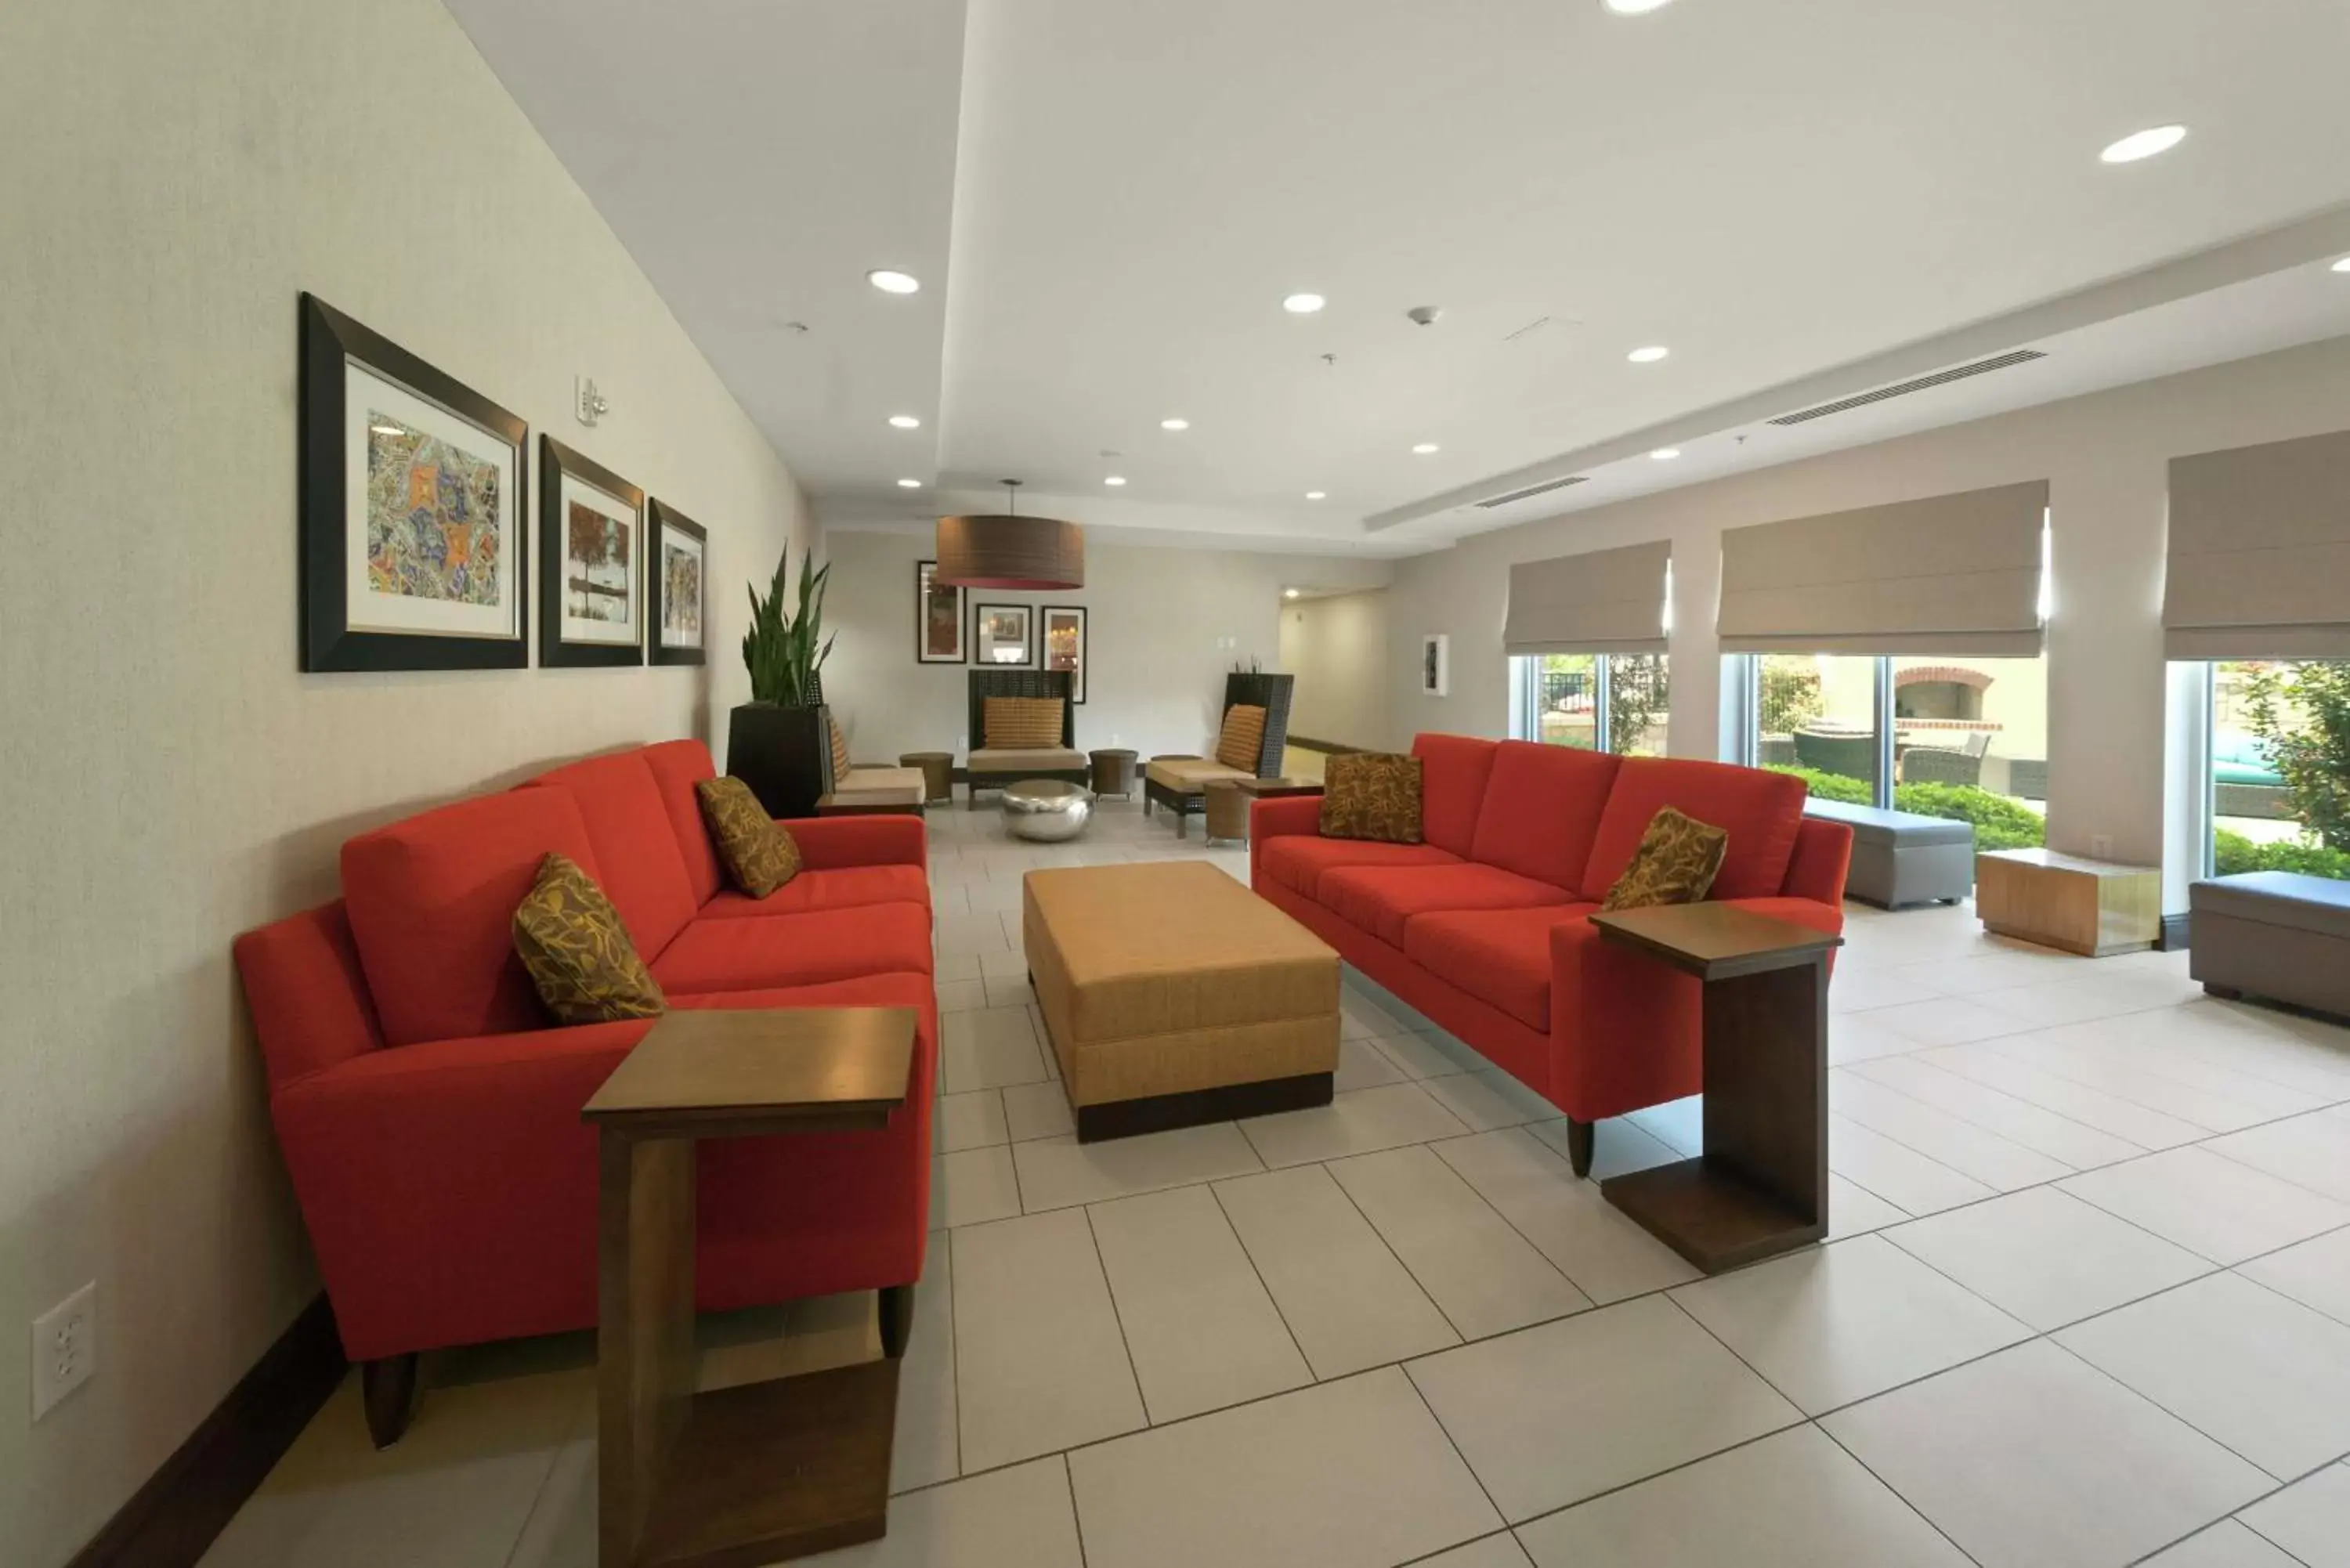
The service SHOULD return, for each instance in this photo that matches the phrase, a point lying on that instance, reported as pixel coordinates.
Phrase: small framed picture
(591, 540)
(938, 617)
(1065, 645)
(1003, 635)
(1435, 665)
(414, 548)
(676, 572)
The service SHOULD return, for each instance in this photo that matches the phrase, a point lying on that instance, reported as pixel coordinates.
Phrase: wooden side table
(1113, 773)
(762, 1472)
(2094, 907)
(1228, 801)
(1761, 1187)
(887, 802)
(938, 774)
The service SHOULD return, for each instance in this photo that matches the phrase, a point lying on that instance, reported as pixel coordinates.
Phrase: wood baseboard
(172, 1521)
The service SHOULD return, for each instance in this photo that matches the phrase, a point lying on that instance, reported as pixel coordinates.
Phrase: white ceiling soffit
(758, 159)
(1125, 521)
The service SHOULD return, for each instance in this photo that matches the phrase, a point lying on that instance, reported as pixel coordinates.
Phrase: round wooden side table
(1114, 772)
(938, 774)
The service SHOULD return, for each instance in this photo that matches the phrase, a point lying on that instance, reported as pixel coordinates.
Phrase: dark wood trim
(1159, 1113)
(2175, 933)
(1331, 747)
(557, 463)
(172, 1521)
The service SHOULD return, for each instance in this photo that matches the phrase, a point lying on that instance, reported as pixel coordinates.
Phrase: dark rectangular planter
(784, 755)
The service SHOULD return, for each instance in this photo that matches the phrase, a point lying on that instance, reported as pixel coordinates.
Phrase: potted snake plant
(779, 742)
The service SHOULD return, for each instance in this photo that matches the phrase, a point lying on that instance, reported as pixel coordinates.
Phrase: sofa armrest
(1821, 860)
(1281, 817)
(308, 994)
(831, 843)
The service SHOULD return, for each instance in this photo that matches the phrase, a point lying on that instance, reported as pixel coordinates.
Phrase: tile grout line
(1313, 1379)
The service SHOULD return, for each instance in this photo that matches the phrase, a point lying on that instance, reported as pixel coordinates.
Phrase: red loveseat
(1483, 926)
(428, 1107)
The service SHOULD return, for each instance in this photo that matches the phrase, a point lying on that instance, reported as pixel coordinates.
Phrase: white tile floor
(2087, 1302)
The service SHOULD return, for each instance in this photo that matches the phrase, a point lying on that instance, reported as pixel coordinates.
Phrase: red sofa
(1483, 927)
(429, 1108)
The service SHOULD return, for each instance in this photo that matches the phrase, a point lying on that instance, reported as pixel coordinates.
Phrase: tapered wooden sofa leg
(387, 1389)
(1579, 1137)
(896, 1319)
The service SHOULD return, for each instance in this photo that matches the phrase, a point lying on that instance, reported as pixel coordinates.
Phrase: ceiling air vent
(1532, 491)
(1938, 378)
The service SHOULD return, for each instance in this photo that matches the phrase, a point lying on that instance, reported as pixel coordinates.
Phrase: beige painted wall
(1337, 647)
(173, 175)
(1154, 621)
(2105, 456)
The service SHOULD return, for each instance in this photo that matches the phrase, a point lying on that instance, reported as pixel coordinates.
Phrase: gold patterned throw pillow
(1243, 736)
(1021, 723)
(758, 851)
(1371, 794)
(840, 751)
(1677, 862)
(578, 953)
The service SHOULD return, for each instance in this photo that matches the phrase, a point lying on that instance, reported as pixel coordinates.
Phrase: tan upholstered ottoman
(1173, 995)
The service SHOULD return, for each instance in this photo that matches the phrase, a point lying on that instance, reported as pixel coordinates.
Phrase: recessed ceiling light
(1666, 453)
(2144, 144)
(889, 281)
(905, 422)
(1289, 593)
(1424, 448)
(1303, 303)
(1317, 495)
(2342, 266)
(1635, 7)
(909, 484)
(1648, 356)
(1174, 424)
(1115, 479)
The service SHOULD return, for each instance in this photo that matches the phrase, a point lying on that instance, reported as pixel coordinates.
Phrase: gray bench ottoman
(1900, 858)
(2274, 934)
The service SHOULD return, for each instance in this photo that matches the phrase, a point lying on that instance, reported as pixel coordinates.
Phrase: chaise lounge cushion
(1190, 775)
(1380, 899)
(1020, 761)
(1498, 956)
(844, 887)
(795, 950)
(1297, 860)
(1542, 810)
(432, 902)
(1760, 810)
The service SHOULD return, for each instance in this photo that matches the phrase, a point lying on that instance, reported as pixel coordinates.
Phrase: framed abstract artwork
(1003, 635)
(938, 617)
(677, 570)
(1435, 665)
(592, 548)
(1065, 645)
(414, 550)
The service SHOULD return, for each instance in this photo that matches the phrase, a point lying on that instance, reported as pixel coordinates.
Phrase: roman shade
(1950, 573)
(1606, 601)
(2259, 552)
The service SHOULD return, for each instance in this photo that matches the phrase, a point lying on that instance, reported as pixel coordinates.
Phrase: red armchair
(1482, 926)
(428, 1111)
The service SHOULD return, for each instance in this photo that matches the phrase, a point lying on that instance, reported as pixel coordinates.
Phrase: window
(1818, 713)
(1615, 702)
(2279, 767)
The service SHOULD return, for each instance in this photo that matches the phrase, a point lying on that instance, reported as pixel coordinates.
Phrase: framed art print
(1435, 665)
(677, 571)
(1065, 645)
(1003, 634)
(591, 541)
(414, 551)
(938, 617)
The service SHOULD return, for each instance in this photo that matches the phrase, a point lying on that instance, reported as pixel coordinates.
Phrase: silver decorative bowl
(1046, 810)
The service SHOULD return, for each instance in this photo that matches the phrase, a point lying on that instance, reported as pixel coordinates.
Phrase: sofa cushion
(576, 949)
(841, 887)
(796, 949)
(1453, 773)
(1381, 899)
(638, 863)
(432, 902)
(1189, 775)
(757, 850)
(1014, 723)
(1241, 743)
(1542, 810)
(1297, 860)
(1022, 760)
(1678, 860)
(677, 766)
(1372, 795)
(1501, 957)
(1760, 810)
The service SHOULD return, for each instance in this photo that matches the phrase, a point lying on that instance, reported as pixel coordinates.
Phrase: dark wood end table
(762, 1472)
(1274, 789)
(872, 803)
(1761, 1187)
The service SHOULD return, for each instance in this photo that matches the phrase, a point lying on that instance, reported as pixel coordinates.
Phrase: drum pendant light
(1008, 551)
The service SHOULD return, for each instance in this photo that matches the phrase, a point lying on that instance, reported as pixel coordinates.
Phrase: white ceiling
(1107, 199)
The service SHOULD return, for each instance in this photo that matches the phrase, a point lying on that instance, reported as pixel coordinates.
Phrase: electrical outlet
(65, 1348)
(2101, 847)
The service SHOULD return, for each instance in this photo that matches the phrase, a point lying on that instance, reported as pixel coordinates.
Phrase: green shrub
(2232, 852)
(2000, 823)
(2301, 714)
